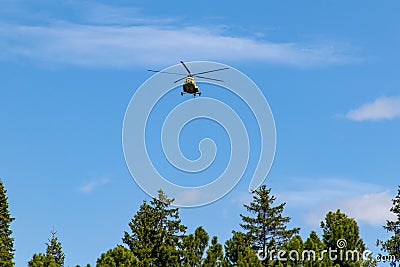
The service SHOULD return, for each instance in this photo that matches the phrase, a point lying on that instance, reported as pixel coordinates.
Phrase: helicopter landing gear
(194, 94)
(198, 93)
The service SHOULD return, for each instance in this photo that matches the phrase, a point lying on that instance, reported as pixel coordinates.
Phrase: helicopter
(189, 83)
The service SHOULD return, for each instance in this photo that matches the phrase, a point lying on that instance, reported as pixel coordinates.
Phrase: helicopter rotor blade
(179, 79)
(209, 71)
(210, 78)
(187, 69)
(166, 72)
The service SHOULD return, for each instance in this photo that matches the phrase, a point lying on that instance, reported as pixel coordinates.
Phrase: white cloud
(366, 202)
(92, 185)
(373, 209)
(107, 36)
(382, 108)
(127, 46)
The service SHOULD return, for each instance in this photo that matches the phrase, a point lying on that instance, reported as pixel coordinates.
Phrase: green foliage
(158, 239)
(194, 246)
(338, 226)
(157, 233)
(312, 251)
(239, 253)
(392, 245)
(54, 256)
(42, 260)
(266, 227)
(6, 241)
(118, 256)
(214, 254)
(293, 251)
(54, 250)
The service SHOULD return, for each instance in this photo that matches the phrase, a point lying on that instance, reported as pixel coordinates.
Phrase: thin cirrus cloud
(92, 185)
(104, 44)
(382, 108)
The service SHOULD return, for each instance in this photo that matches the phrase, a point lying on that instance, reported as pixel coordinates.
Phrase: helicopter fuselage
(190, 86)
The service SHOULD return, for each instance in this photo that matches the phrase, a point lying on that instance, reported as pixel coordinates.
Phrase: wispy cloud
(380, 109)
(373, 209)
(106, 36)
(366, 202)
(92, 185)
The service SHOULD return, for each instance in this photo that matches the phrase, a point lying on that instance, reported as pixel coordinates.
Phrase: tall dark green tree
(118, 256)
(144, 238)
(265, 226)
(392, 245)
(54, 256)
(214, 253)
(6, 241)
(156, 233)
(341, 233)
(194, 246)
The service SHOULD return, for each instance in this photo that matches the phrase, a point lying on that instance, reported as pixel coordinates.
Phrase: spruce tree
(266, 226)
(54, 250)
(6, 241)
(156, 238)
(143, 240)
(392, 245)
(54, 256)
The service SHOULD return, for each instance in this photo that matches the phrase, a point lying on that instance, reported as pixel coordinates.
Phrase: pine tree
(6, 241)
(392, 245)
(341, 233)
(118, 256)
(266, 227)
(194, 246)
(214, 253)
(157, 232)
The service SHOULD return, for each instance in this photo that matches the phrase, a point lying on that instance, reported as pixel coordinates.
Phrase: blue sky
(329, 70)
